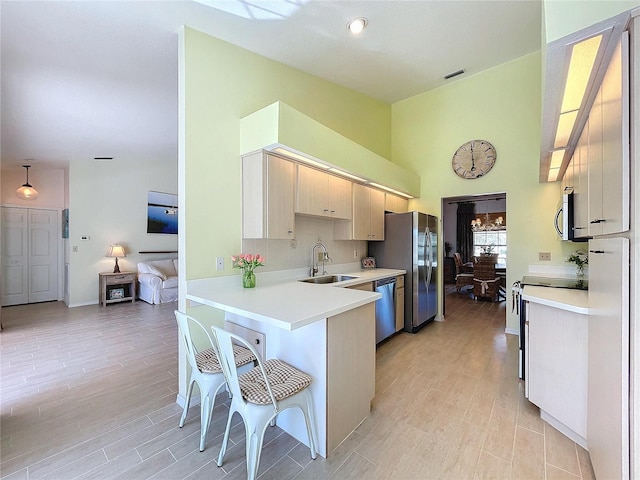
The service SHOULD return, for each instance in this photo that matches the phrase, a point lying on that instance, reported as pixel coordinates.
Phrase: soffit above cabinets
(558, 57)
(282, 129)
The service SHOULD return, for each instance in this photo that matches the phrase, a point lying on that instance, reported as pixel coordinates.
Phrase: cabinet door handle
(333, 211)
(290, 232)
(598, 220)
(596, 251)
(325, 210)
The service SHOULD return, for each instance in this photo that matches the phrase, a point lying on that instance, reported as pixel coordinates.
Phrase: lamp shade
(26, 191)
(116, 251)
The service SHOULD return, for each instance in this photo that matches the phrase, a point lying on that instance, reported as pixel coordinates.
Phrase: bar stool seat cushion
(284, 380)
(208, 362)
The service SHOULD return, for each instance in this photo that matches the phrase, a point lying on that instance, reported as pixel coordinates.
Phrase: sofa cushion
(162, 268)
(170, 282)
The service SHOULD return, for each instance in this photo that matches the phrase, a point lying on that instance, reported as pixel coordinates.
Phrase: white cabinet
(608, 151)
(556, 367)
(322, 194)
(368, 216)
(608, 391)
(581, 185)
(395, 204)
(267, 197)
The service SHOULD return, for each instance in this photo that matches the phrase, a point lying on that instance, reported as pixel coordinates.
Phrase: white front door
(29, 255)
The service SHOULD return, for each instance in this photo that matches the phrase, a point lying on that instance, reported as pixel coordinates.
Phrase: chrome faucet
(314, 259)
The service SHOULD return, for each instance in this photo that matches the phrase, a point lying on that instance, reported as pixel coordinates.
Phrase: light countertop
(576, 301)
(286, 303)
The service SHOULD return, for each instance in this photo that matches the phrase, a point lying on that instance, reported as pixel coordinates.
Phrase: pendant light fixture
(26, 191)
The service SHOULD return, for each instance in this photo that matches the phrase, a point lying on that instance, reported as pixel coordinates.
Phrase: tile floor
(89, 393)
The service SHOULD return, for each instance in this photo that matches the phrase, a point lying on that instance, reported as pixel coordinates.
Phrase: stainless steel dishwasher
(385, 308)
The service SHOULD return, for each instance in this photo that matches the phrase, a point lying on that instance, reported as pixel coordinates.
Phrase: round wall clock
(474, 159)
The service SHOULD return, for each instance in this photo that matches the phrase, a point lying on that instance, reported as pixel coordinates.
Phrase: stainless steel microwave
(564, 218)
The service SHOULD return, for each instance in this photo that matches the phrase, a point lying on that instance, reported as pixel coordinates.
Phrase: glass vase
(248, 279)
(580, 271)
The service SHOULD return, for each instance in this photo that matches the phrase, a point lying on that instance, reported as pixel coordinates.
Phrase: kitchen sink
(328, 279)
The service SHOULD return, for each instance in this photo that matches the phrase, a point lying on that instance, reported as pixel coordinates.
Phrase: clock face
(474, 159)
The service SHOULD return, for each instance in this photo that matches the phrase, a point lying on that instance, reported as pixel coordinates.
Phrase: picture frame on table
(116, 293)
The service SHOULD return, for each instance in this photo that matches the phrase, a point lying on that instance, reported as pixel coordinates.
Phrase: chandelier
(488, 225)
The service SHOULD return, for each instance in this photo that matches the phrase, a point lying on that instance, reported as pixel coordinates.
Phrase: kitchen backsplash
(296, 253)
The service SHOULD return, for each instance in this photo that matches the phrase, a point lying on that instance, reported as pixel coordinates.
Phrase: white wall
(108, 203)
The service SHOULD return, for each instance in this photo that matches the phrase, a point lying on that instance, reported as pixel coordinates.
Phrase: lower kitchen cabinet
(399, 303)
(557, 359)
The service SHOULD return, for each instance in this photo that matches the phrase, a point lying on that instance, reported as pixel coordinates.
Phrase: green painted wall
(222, 84)
(563, 17)
(501, 105)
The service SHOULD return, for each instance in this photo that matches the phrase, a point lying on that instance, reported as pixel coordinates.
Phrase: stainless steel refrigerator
(411, 243)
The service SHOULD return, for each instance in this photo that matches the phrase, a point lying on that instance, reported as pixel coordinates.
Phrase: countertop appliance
(385, 308)
(411, 243)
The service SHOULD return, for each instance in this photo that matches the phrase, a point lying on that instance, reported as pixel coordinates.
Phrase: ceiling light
(397, 192)
(301, 158)
(583, 57)
(556, 158)
(26, 191)
(342, 173)
(357, 25)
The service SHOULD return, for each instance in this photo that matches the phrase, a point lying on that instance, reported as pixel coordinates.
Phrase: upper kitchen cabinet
(321, 194)
(368, 216)
(267, 196)
(395, 204)
(581, 186)
(608, 151)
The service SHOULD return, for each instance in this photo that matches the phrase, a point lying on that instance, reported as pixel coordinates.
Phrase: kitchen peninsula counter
(571, 300)
(322, 329)
(285, 302)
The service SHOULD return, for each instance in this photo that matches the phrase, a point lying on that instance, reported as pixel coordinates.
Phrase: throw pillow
(157, 272)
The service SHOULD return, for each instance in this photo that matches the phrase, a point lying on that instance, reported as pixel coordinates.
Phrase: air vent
(454, 74)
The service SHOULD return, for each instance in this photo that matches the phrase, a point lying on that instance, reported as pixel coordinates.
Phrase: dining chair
(259, 395)
(486, 283)
(464, 273)
(205, 369)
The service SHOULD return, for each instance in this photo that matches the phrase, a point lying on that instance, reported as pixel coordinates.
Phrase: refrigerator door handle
(427, 256)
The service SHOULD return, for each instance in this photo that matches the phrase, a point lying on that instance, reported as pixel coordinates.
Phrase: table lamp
(116, 251)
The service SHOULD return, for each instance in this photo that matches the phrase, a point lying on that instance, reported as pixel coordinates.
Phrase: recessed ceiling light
(357, 25)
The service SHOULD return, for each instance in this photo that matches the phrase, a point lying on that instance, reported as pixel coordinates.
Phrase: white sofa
(158, 281)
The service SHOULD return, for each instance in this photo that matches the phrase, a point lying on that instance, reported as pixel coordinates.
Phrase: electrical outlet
(544, 256)
(219, 263)
(293, 244)
(355, 254)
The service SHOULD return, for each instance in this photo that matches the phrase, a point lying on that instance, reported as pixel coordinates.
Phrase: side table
(117, 287)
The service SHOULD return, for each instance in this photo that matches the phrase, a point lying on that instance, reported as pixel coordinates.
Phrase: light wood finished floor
(89, 393)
